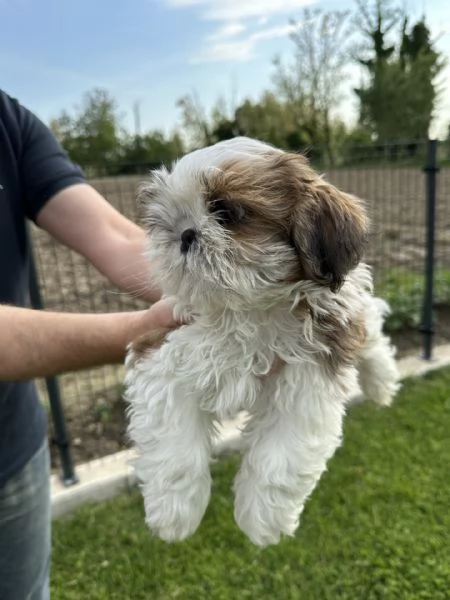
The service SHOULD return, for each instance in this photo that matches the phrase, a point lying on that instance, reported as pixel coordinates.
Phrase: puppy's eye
(227, 213)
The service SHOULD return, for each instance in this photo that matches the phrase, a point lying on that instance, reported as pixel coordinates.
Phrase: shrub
(404, 291)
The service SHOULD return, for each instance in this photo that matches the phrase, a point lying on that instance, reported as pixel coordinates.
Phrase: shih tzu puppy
(266, 257)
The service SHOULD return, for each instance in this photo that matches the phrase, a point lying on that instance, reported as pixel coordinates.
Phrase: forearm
(125, 265)
(83, 220)
(39, 343)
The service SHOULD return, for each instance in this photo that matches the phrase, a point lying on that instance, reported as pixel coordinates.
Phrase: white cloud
(228, 30)
(272, 32)
(227, 10)
(227, 42)
(226, 50)
(239, 51)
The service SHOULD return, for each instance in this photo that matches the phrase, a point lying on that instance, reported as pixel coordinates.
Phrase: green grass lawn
(377, 526)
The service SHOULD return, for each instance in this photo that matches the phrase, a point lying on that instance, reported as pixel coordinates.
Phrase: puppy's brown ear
(329, 232)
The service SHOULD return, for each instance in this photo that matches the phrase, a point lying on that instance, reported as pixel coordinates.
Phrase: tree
(312, 84)
(94, 138)
(92, 135)
(272, 121)
(63, 128)
(375, 20)
(398, 99)
(195, 121)
(140, 153)
(420, 64)
(223, 120)
(268, 119)
(448, 141)
(203, 129)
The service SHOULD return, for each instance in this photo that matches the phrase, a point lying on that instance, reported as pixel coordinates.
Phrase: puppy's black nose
(187, 238)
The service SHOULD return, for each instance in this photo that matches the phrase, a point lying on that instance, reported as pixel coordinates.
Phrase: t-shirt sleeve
(44, 167)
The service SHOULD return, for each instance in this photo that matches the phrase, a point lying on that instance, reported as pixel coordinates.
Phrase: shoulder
(25, 129)
(21, 125)
(10, 118)
(9, 106)
(43, 166)
(13, 114)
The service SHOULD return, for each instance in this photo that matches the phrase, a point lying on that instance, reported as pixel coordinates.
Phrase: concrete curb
(106, 477)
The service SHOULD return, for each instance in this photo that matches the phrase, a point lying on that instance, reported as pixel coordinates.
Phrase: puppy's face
(241, 222)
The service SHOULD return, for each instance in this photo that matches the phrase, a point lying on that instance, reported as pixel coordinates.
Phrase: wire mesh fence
(92, 398)
(392, 181)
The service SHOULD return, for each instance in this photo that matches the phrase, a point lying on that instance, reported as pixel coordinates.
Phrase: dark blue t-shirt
(33, 168)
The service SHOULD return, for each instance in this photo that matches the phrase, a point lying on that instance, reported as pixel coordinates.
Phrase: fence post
(427, 328)
(61, 438)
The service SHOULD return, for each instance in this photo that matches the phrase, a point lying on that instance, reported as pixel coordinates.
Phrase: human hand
(161, 315)
(149, 327)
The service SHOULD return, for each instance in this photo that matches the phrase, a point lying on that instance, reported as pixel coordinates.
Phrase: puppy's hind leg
(288, 440)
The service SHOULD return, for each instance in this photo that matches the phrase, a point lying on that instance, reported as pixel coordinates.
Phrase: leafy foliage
(301, 108)
(399, 98)
(92, 134)
(311, 85)
(95, 139)
(148, 150)
(404, 291)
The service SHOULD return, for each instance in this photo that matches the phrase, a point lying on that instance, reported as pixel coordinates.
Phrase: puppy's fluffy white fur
(270, 269)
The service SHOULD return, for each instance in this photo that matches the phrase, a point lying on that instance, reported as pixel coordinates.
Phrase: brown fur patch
(148, 342)
(303, 310)
(278, 196)
(344, 340)
(245, 189)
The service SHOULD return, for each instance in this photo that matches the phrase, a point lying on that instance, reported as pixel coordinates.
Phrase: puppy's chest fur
(224, 360)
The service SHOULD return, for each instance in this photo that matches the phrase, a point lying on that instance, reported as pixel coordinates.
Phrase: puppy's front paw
(265, 512)
(174, 511)
(383, 392)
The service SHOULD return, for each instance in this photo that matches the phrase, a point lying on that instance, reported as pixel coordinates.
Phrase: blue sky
(154, 51)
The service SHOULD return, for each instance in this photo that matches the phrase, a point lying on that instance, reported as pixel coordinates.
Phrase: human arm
(56, 196)
(39, 343)
(80, 218)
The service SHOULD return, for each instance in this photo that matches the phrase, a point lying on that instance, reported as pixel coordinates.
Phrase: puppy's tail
(379, 377)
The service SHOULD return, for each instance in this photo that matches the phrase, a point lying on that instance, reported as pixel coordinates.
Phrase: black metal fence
(406, 188)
